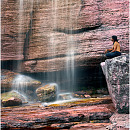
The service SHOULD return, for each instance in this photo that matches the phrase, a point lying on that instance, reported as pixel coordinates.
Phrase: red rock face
(48, 29)
(14, 25)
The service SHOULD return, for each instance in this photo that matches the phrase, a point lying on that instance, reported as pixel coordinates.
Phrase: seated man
(115, 51)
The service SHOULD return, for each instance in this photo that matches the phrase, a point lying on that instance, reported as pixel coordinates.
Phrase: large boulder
(47, 93)
(116, 71)
(12, 98)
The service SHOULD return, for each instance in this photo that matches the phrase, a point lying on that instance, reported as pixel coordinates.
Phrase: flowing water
(20, 30)
(69, 72)
(20, 82)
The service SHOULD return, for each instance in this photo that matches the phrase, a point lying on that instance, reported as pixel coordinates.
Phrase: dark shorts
(113, 54)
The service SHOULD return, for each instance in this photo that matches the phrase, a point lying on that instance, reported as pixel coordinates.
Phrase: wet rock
(11, 80)
(65, 96)
(37, 116)
(13, 101)
(25, 81)
(12, 98)
(81, 94)
(116, 71)
(47, 93)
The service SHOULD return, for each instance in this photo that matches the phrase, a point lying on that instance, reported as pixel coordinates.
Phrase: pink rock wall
(13, 29)
(91, 24)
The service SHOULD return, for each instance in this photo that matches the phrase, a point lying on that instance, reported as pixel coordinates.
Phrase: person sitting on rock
(115, 50)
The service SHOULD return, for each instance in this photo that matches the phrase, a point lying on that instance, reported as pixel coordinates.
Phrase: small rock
(12, 98)
(81, 94)
(87, 96)
(13, 101)
(65, 96)
(47, 93)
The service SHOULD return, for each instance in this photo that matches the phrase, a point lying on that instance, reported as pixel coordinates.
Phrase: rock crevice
(82, 30)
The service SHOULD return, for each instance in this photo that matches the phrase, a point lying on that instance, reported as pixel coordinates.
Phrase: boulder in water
(47, 93)
(25, 81)
(12, 98)
(11, 79)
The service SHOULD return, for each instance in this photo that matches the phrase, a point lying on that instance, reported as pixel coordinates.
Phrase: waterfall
(22, 7)
(70, 63)
(21, 82)
(68, 73)
(20, 32)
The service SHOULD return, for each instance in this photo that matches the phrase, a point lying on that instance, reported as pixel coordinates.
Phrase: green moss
(7, 95)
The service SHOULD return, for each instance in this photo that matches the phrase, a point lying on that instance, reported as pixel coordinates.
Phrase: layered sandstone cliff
(47, 29)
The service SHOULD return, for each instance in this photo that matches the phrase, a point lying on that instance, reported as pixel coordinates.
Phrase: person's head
(114, 38)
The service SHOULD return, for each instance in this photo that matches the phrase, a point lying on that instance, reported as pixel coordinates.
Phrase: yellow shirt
(116, 46)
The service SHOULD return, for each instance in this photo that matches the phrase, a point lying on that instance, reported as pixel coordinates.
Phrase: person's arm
(108, 50)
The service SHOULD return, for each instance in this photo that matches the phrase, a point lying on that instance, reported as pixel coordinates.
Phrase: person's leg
(111, 54)
(118, 53)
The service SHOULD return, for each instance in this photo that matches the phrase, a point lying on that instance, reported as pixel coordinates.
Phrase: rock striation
(6, 80)
(39, 117)
(116, 71)
(43, 37)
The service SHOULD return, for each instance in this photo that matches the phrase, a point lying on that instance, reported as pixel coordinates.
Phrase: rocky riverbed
(92, 113)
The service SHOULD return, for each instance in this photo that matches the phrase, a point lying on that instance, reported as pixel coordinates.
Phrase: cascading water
(70, 53)
(20, 82)
(69, 72)
(20, 30)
